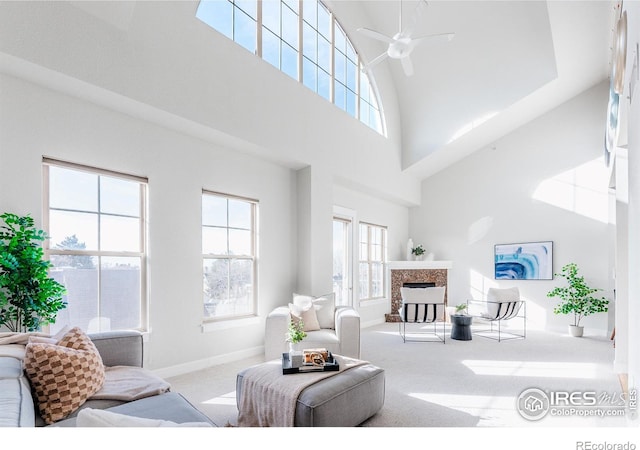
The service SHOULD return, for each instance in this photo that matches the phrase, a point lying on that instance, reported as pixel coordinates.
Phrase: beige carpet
(458, 384)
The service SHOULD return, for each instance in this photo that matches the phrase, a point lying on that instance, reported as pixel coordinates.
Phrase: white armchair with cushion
(421, 306)
(336, 328)
(501, 305)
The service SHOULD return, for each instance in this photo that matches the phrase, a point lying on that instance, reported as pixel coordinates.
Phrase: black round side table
(461, 327)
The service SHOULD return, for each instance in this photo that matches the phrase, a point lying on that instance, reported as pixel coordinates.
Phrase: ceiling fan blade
(443, 37)
(376, 35)
(407, 65)
(375, 61)
(417, 16)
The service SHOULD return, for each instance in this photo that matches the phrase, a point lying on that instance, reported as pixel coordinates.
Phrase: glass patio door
(343, 259)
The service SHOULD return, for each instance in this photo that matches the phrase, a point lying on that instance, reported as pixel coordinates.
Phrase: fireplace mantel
(393, 265)
(400, 272)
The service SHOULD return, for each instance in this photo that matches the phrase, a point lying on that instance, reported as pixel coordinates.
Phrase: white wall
(36, 122)
(159, 54)
(488, 199)
(633, 229)
(146, 88)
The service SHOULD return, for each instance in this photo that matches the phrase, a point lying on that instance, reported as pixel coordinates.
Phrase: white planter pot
(295, 355)
(576, 331)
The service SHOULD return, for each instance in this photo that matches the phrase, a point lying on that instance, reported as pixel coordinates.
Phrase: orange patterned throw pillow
(63, 375)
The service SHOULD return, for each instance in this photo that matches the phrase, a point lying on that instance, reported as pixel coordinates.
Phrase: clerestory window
(303, 39)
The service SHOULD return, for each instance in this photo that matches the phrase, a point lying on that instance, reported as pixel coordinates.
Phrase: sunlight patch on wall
(471, 125)
(479, 229)
(479, 284)
(537, 369)
(582, 190)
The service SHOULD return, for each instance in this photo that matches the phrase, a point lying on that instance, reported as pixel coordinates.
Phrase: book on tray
(315, 356)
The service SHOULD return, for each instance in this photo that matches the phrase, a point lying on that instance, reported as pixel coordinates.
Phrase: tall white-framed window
(96, 222)
(342, 259)
(303, 39)
(373, 256)
(229, 255)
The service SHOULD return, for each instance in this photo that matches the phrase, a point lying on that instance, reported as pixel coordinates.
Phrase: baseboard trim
(192, 366)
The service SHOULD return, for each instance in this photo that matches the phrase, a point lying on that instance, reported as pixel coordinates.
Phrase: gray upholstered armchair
(339, 329)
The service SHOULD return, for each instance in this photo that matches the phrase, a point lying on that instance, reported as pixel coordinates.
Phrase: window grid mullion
(99, 291)
(228, 229)
(358, 113)
(96, 253)
(300, 41)
(358, 76)
(369, 254)
(332, 57)
(259, 28)
(99, 214)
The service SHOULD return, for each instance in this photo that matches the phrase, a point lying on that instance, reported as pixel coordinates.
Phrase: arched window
(303, 39)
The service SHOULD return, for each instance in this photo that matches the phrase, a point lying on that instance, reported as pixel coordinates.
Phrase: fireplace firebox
(414, 274)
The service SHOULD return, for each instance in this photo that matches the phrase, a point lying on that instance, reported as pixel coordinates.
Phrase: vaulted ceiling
(509, 62)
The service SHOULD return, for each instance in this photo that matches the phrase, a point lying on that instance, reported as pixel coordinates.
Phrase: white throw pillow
(423, 295)
(503, 295)
(90, 417)
(324, 305)
(307, 314)
(496, 296)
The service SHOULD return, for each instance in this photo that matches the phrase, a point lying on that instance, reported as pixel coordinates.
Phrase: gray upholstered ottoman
(343, 400)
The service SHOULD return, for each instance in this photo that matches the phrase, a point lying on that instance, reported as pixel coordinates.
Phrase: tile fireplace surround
(400, 272)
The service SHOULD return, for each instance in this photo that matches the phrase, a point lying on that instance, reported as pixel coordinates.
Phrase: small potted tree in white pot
(295, 333)
(577, 298)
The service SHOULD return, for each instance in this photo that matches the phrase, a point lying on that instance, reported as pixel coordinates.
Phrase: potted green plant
(29, 298)
(418, 252)
(295, 333)
(461, 309)
(577, 298)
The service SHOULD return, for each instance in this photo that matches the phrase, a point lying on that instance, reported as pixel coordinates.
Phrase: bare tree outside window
(95, 220)
(228, 251)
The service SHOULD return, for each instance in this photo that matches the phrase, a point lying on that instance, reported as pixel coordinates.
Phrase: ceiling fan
(402, 43)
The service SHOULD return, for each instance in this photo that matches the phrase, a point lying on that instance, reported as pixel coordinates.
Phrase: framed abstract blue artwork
(527, 261)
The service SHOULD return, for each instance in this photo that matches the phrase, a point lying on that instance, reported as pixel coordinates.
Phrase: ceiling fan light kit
(402, 43)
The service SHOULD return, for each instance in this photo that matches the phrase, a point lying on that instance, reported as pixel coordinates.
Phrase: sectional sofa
(117, 349)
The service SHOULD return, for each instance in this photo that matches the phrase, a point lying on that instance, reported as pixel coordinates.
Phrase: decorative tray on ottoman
(330, 365)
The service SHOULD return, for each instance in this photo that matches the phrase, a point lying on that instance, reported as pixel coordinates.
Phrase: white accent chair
(339, 329)
(501, 305)
(422, 306)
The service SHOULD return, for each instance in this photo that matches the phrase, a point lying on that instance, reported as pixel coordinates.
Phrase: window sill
(229, 324)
